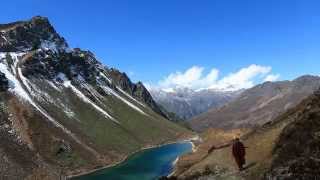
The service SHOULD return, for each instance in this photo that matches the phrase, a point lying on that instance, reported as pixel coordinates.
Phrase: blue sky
(155, 40)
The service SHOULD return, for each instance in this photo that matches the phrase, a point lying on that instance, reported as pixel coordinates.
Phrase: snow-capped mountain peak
(187, 103)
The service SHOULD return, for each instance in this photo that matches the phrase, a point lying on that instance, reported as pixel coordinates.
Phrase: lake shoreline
(190, 140)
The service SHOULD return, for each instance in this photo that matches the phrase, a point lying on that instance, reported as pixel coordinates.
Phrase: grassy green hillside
(111, 141)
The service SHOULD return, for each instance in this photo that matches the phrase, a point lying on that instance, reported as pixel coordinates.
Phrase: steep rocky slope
(286, 148)
(297, 152)
(63, 112)
(258, 105)
(187, 103)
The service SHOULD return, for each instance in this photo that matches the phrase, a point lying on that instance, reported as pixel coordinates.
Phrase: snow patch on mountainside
(105, 77)
(125, 93)
(53, 46)
(89, 89)
(93, 92)
(4, 37)
(43, 96)
(110, 91)
(52, 84)
(24, 80)
(16, 87)
(49, 45)
(2, 55)
(67, 83)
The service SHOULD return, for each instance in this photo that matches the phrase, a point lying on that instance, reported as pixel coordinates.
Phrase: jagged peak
(30, 35)
(119, 75)
(140, 83)
(35, 21)
(40, 18)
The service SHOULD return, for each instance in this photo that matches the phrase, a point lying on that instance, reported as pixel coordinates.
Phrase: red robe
(239, 152)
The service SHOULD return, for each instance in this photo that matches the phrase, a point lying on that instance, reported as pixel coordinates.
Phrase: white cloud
(191, 78)
(272, 77)
(242, 79)
(195, 78)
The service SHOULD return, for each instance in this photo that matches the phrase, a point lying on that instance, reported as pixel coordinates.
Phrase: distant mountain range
(258, 105)
(187, 103)
(62, 112)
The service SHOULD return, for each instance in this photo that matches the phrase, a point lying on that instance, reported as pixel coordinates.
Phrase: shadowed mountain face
(187, 103)
(3, 82)
(258, 105)
(63, 112)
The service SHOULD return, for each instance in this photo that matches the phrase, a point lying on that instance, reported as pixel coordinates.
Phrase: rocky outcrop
(28, 35)
(137, 90)
(3, 82)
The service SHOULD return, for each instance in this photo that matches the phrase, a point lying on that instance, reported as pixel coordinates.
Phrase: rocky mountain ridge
(38, 33)
(258, 105)
(187, 103)
(63, 112)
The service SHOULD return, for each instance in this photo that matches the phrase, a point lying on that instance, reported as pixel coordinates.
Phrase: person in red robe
(239, 153)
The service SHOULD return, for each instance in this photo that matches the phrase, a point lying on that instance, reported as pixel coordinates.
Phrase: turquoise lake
(149, 164)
